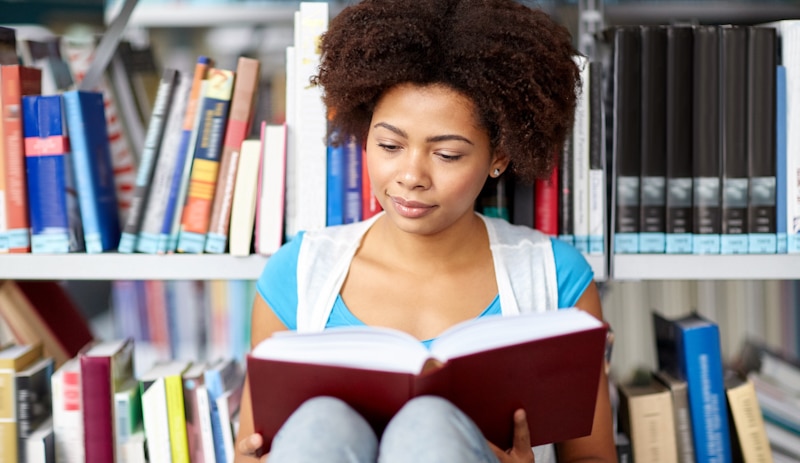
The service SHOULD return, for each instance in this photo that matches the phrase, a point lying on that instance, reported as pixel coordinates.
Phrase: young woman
(443, 94)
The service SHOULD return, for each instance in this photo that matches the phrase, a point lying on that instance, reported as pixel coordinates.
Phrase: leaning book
(547, 363)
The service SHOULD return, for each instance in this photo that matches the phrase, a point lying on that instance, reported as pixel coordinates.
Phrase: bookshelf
(706, 267)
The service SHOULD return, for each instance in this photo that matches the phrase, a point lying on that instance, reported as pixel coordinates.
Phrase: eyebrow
(433, 139)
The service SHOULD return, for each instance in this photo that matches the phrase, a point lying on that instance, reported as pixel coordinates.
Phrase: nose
(413, 171)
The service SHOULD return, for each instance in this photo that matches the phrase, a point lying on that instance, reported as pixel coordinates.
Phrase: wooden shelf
(706, 267)
(113, 266)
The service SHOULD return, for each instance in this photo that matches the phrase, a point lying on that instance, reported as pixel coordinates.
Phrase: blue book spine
(55, 227)
(335, 185)
(352, 181)
(94, 174)
(700, 362)
(215, 388)
(780, 161)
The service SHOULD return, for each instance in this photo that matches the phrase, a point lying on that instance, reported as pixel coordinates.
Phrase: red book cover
(16, 81)
(545, 200)
(369, 203)
(553, 375)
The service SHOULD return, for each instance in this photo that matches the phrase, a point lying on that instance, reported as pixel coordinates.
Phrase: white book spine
(290, 214)
(156, 422)
(206, 434)
(273, 179)
(67, 415)
(243, 208)
(580, 173)
(791, 60)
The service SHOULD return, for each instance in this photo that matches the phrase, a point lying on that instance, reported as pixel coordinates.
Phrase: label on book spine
(626, 239)
(652, 238)
(707, 215)
(733, 240)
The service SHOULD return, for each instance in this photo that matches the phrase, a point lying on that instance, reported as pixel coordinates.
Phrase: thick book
(13, 358)
(147, 160)
(16, 82)
(94, 171)
(627, 114)
(652, 189)
(706, 153)
(761, 140)
(749, 441)
(733, 138)
(271, 189)
(196, 212)
(52, 202)
(680, 405)
(646, 415)
(243, 209)
(547, 363)
(679, 88)
(67, 403)
(105, 368)
(240, 119)
(689, 348)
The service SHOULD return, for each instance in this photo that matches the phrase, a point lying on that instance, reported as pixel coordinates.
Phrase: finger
(249, 445)
(522, 436)
(498, 452)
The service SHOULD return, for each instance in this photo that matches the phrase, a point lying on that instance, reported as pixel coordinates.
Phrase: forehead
(435, 102)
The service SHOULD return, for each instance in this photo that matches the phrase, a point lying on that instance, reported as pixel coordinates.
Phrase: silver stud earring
(496, 173)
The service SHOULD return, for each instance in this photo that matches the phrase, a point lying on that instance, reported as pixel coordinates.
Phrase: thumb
(522, 436)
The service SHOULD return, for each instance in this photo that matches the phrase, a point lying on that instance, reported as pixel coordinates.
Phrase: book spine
(761, 111)
(701, 364)
(545, 199)
(98, 423)
(706, 168)
(150, 239)
(627, 138)
(242, 108)
(647, 418)
(790, 59)
(565, 217)
(144, 174)
(156, 422)
(290, 209)
(205, 164)
(180, 174)
(679, 88)
(597, 172)
(8, 417)
(68, 416)
(580, 163)
(270, 214)
(781, 167)
(176, 415)
(750, 437)
(522, 206)
(94, 174)
(34, 404)
(334, 194)
(652, 198)
(733, 123)
(16, 82)
(352, 181)
(55, 226)
(244, 199)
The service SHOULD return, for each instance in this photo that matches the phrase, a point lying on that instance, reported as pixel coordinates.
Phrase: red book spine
(545, 198)
(98, 425)
(369, 203)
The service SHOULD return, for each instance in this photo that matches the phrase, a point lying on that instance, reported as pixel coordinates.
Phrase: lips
(410, 209)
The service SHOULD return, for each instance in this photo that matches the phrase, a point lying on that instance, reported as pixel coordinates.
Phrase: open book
(547, 363)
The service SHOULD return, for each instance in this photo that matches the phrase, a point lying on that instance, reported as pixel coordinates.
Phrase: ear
(501, 161)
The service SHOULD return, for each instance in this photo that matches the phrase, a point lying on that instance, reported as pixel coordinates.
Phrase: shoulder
(501, 232)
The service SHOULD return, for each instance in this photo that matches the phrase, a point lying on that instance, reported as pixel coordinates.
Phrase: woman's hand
(521, 452)
(248, 447)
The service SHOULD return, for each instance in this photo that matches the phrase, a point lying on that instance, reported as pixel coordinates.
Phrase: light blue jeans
(426, 429)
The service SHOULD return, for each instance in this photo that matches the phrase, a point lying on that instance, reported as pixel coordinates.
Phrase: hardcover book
(680, 404)
(748, 437)
(13, 358)
(646, 415)
(34, 401)
(597, 162)
(547, 363)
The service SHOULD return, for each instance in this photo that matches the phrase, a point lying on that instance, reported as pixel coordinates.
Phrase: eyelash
(445, 157)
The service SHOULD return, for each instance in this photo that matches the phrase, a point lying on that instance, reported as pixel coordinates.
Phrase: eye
(389, 147)
(449, 157)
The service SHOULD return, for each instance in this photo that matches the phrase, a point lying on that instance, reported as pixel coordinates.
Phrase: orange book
(547, 363)
(245, 90)
(16, 81)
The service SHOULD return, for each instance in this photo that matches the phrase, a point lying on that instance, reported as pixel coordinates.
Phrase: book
(243, 210)
(240, 118)
(44, 52)
(221, 377)
(40, 444)
(271, 189)
(13, 358)
(105, 367)
(627, 138)
(733, 143)
(689, 348)
(652, 188)
(52, 202)
(127, 414)
(147, 160)
(679, 88)
(205, 163)
(94, 172)
(16, 81)
(761, 140)
(566, 219)
(67, 402)
(706, 154)
(680, 404)
(646, 416)
(749, 437)
(581, 149)
(163, 411)
(545, 200)
(198, 414)
(597, 162)
(8, 46)
(781, 201)
(44, 312)
(334, 184)
(488, 367)
(33, 399)
(352, 180)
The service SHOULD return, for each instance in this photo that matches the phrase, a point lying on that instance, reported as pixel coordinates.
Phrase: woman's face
(428, 157)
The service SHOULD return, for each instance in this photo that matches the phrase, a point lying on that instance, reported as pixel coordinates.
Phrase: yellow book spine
(176, 415)
(8, 417)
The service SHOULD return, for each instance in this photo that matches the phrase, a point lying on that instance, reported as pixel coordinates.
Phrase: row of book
(93, 407)
(695, 407)
(698, 120)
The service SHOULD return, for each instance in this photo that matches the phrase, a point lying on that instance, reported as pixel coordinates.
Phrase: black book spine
(654, 140)
(733, 115)
(761, 139)
(680, 97)
(627, 137)
(706, 163)
(566, 224)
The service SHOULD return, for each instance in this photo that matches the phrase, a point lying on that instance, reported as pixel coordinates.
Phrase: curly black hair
(514, 62)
